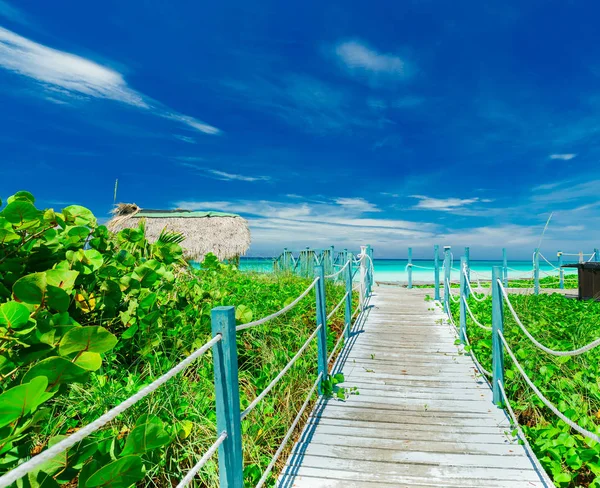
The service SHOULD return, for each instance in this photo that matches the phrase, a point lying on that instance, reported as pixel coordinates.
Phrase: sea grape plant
(70, 294)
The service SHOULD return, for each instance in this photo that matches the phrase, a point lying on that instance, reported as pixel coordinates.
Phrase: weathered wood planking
(423, 417)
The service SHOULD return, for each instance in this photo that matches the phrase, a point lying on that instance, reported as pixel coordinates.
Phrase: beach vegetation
(89, 317)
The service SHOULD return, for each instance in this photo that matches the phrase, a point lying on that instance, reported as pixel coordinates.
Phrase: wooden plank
(423, 415)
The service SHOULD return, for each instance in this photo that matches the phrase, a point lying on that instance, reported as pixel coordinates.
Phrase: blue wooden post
(504, 268)
(536, 272)
(369, 270)
(409, 267)
(321, 319)
(463, 295)
(227, 390)
(596, 255)
(447, 270)
(561, 272)
(348, 314)
(467, 268)
(436, 271)
(497, 325)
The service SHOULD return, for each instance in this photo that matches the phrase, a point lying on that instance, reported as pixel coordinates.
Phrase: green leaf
(93, 259)
(57, 298)
(185, 429)
(121, 473)
(14, 315)
(89, 360)
(30, 288)
(62, 278)
(7, 235)
(243, 314)
(21, 196)
(57, 370)
(19, 212)
(146, 437)
(79, 215)
(21, 400)
(92, 338)
(562, 478)
(58, 462)
(145, 275)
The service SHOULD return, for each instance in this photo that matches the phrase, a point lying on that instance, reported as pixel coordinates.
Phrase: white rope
(575, 352)
(521, 434)
(473, 316)
(333, 275)
(544, 400)
(544, 258)
(264, 393)
(472, 354)
(280, 312)
(200, 464)
(420, 267)
(289, 433)
(452, 297)
(338, 305)
(577, 254)
(479, 299)
(60, 447)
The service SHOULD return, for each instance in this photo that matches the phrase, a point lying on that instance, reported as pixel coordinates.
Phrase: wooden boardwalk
(423, 416)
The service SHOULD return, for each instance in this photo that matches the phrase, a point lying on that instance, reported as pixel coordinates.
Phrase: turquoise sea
(395, 269)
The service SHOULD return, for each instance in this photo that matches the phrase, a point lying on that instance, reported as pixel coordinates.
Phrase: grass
(571, 383)
(187, 402)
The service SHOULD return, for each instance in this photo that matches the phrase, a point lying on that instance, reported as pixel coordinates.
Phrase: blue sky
(395, 124)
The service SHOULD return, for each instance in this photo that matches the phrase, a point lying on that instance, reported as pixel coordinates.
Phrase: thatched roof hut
(225, 235)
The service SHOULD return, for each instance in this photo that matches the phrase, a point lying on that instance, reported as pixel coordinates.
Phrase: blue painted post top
(561, 271)
(596, 254)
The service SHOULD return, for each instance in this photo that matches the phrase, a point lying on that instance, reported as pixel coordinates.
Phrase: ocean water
(396, 269)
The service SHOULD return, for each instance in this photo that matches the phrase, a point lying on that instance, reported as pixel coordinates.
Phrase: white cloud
(358, 204)
(73, 76)
(443, 204)
(189, 140)
(188, 162)
(357, 56)
(564, 157)
(222, 175)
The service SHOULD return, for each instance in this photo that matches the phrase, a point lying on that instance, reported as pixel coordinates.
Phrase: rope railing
(575, 352)
(289, 433)
(471, 353)
(279, 312)
(541, 396)
(333, 275)
(475, 321)
(229, 416)
(478, 299)
(200, 464)
(281, 374)
(452, 296)
(37, 461)
(340, 303)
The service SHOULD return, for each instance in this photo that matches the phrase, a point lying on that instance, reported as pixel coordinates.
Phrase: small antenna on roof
(116, 187)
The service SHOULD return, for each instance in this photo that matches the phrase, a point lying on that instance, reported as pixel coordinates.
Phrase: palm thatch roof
(225, 235)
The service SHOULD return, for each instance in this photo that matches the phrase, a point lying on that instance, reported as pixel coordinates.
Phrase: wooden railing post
(363, 277)
(447, 270)
(467, 269)
(436, 272)
(227, 390)
(497, 325)
(369, 265)
(348, 311)
(596, 254)
(504, 268)
(561, 271)
(464, 289)
(321, 320)
(409, 268)
(536, 272)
